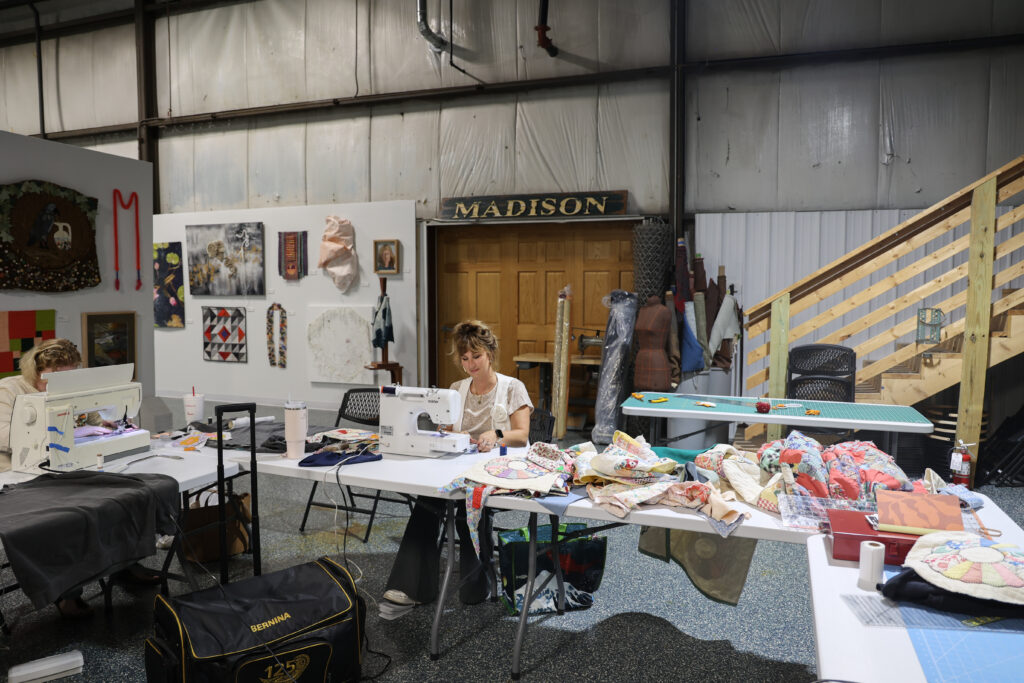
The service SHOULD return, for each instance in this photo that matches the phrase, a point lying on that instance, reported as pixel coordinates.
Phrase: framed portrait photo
(108, 339)
(385, 257)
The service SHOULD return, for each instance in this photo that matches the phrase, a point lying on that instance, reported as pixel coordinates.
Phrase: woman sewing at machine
(52, 355)
(56, 355)
(495, 410)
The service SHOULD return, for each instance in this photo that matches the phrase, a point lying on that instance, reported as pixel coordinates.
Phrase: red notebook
(918, 513)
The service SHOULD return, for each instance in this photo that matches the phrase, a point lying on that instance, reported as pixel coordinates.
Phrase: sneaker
(391, 611)
(398, 597)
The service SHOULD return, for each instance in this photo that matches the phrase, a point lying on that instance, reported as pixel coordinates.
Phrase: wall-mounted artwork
(19, 332)
(108, 338)
(385, 257)
(168, 285)
(47, 238)
(224, 337)
(292, 255)
(339, 344)
(225, 259)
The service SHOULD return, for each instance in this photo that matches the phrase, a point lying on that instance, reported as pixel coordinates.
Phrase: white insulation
(817, 135)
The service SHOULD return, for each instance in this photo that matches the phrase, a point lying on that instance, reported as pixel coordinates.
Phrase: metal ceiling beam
(96, 22)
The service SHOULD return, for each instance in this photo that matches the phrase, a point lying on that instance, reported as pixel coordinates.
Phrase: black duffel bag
(297, 625)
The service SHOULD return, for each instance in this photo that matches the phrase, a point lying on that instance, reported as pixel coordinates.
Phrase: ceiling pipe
(542, 29)
(437, 42)
(39, 69)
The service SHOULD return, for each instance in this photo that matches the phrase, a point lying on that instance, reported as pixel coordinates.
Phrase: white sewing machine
(43, 424)
(400, 408)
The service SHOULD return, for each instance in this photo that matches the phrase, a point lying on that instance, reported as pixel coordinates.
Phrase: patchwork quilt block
(224, 336)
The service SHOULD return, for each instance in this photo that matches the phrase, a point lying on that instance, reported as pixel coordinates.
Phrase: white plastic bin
(714, 382)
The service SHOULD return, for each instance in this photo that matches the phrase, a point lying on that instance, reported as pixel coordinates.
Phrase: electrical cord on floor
(344, 552)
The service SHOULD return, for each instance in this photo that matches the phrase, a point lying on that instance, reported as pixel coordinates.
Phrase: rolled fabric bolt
(872, 558)
(243, 422)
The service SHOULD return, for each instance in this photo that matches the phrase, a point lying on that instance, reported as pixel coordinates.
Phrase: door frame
(433, 228)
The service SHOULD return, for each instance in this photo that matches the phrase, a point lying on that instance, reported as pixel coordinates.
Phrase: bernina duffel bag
(297, 625)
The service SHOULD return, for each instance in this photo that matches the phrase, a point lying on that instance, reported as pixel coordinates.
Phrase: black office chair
(822, 372)
(361, 406)
(542, 426)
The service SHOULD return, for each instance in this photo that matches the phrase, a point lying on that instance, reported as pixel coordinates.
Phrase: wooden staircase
(984, 320)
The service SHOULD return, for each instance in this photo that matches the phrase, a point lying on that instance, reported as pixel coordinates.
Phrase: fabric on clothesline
(278, 357)
(383, 325)
(338, 253)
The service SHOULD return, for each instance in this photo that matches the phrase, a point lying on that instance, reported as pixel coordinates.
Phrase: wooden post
(778, 356)
(978, 317)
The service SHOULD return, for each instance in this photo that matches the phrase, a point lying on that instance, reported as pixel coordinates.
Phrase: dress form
(653, 370)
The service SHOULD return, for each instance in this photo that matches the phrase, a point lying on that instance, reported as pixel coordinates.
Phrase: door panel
(509, 276)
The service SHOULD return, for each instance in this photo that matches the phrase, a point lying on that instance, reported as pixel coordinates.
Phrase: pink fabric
(337, 252)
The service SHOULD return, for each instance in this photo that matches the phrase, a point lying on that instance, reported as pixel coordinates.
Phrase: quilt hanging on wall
(339, 344)
(224, 336)
(168, 285)
(225, 259)
(19, 332)
(292, 255)
(47, 238)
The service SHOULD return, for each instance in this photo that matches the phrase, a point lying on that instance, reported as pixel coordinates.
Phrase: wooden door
(509, 277)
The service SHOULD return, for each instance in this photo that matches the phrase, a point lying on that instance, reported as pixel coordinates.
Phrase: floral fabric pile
(799, 465)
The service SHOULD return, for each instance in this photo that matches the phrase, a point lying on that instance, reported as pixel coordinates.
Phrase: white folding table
(848, 650)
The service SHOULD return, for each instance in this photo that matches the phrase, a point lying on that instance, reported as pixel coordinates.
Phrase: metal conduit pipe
(437, 43)
(39, 69)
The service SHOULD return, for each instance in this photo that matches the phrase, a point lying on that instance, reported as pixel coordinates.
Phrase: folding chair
(361, 406)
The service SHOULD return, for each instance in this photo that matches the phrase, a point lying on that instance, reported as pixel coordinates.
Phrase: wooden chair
(361, 406)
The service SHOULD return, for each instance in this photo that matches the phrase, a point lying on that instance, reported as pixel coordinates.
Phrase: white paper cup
(193, 408)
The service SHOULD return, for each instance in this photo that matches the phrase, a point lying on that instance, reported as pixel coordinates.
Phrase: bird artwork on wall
(47, 238)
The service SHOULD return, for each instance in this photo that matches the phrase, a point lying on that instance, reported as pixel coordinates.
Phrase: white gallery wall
(94, 175)
(181, 363)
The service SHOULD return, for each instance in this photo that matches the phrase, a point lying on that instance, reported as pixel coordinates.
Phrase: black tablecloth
(64, 530)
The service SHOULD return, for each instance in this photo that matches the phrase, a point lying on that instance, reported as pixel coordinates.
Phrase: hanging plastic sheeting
(483, 130)
(556, 140)
(611, 385)
(88, 81)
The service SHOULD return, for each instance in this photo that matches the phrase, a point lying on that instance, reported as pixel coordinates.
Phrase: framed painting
(385, 257)
(108, 339)
(225, 259)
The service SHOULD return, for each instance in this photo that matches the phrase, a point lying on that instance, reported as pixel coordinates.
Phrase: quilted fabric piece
(965, 563)
(224, 337)
(19, 332)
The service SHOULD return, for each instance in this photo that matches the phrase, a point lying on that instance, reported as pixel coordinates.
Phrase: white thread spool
(296, 423)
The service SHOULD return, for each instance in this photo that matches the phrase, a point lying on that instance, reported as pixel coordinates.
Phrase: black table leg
(524, 613)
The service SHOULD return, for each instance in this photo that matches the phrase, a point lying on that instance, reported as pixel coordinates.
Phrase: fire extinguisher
(960, 464)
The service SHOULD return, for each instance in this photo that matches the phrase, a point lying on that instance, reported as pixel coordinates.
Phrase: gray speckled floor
(648, 622)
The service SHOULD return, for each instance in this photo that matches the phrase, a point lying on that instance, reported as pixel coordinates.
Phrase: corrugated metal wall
(870, 134)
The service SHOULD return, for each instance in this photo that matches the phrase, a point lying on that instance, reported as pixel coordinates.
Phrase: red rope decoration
(133, 199)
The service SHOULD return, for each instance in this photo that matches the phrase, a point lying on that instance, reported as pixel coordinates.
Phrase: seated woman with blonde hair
(52, 355)
(55, 355)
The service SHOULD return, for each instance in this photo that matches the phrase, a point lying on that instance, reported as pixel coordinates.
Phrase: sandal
(74, 608)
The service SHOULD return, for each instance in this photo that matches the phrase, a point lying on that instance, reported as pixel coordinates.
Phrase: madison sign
(567, 205)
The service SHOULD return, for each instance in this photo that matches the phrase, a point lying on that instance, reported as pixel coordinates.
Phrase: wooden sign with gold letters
(553, 205)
